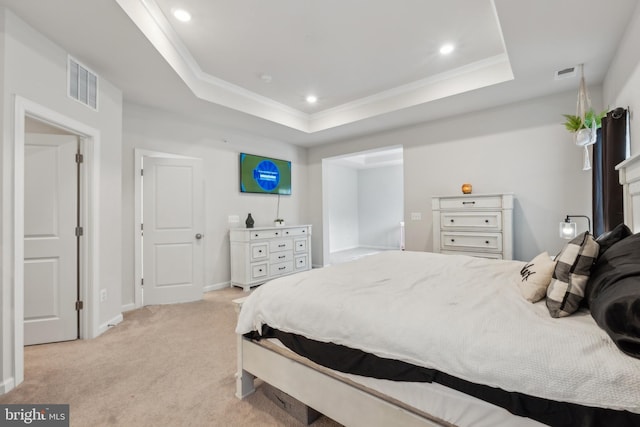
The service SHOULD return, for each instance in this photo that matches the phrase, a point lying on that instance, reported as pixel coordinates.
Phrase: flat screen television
(259, 174)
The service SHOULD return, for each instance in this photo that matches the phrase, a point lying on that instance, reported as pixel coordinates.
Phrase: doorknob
(198, 236)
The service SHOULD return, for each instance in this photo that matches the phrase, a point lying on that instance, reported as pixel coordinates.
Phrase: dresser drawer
(471, 202)
(259, 271)
(471, 220)
(264, 234)
(281, 245)
(259, 251)
(281, 268)
(300, 245)
(489, 255)
(471, 241)
(298, 231)
(281, 256)
(301, 262)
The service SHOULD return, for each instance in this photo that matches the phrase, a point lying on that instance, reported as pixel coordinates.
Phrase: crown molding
(148, 17)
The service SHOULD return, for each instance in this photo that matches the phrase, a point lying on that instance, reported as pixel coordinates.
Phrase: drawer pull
(256, 235)
(453, 240)
(260, 270)
(281, 246)
(451, 220)
(260, 251)
(486, 241)
(486, 221)
(282, 256)
(469, 203)
(282, 268)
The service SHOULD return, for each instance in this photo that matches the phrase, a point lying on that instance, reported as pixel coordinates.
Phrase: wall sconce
(568, 228)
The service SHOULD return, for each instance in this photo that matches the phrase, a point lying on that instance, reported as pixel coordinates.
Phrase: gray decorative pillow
(573, 266)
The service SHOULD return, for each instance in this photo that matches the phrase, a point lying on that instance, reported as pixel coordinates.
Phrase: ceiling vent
(566, 73)
(83, 84)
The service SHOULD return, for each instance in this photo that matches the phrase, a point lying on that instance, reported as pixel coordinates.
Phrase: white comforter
(460, 315)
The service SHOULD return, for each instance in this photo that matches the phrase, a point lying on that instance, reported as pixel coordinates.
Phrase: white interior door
(173, 221)
(50, 252)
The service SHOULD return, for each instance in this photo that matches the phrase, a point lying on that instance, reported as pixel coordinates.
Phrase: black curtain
(609, 150)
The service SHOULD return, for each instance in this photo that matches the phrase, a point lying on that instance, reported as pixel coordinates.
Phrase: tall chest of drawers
(475, 224)
(263, 253)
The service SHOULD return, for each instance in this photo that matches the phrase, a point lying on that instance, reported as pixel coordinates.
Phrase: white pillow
(535, 277)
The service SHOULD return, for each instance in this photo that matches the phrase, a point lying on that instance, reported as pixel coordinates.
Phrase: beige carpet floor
(169, 365)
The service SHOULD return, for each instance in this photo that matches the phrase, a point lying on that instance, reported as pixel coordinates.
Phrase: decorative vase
(249, 221)
(466, 188)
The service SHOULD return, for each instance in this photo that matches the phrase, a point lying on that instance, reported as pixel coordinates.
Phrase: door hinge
(79, 158)
(79, 231)
(141, 172)
(142, 282)
(79, 305)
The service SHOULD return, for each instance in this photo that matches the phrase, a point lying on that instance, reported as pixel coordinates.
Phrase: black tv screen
(259, 174)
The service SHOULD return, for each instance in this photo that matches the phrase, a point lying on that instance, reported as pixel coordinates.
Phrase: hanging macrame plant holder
(585, 136)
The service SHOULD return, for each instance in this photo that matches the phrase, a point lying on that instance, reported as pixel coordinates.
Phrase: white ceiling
(373, 64)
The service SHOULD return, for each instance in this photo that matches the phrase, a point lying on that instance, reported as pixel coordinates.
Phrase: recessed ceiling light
(446, 49)
(312, 99)
(182, 15)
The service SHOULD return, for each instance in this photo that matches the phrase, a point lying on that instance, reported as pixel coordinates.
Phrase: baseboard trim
(128, 307)
(109, 324)
(216, 286)
(7, 385)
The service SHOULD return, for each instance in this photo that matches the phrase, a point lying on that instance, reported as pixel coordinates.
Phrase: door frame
(139, 154)
(89, 247)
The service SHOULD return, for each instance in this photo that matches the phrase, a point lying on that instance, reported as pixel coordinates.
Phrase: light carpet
(165, 365)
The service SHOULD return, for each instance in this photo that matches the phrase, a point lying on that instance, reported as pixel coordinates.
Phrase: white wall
(343, 207)
(521, 148)
(34, 68)
(155, 130)
(621, 87)
(380, 206)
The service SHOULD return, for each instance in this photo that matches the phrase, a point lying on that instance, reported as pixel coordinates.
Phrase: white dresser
(263, 253)
(474, 224)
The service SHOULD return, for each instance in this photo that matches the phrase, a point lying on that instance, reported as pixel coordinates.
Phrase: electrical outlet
(103, 295)
(416, 216)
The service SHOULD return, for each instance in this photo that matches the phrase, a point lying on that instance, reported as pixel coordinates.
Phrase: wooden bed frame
(342, 400)
(345, 401)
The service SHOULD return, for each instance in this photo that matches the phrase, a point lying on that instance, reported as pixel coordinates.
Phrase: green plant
(574, 123)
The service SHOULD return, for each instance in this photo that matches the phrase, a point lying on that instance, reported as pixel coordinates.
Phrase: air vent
(566, 73)
(83, 84)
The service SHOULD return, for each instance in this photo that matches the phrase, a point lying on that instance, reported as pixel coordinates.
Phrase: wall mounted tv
(259, 174)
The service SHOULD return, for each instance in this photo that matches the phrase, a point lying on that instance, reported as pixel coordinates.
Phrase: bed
(423, 339)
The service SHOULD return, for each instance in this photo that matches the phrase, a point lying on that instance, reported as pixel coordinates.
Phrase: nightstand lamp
(568, 228)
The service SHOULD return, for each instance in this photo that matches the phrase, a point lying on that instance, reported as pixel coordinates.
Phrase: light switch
(233, 219)
(416, 216)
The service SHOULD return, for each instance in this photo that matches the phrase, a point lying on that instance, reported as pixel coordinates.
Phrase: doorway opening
(89, 183)
(363, 204)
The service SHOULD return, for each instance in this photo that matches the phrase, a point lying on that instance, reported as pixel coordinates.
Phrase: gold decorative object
(466, 188)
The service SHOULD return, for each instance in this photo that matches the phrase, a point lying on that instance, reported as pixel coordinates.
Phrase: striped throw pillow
(573, 266)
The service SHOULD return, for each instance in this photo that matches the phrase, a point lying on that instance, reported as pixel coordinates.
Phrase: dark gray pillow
(609, 238)
(613, 292)
(573, 266)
